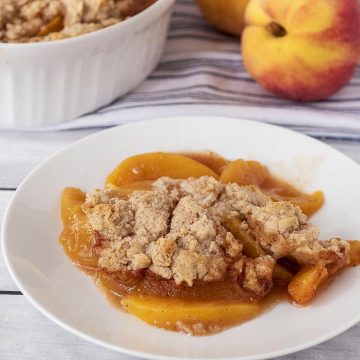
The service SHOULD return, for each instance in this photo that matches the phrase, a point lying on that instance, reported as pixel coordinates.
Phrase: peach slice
(244, 172)
(309, 203)
(194, 317)
(77, 238)
(306, 282)
(281, 191)
(125, 190)
(210, 159)
(151, 166)
(55, 25)
(354, 252)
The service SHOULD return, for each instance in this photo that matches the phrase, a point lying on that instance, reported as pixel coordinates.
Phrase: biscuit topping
(176, 231)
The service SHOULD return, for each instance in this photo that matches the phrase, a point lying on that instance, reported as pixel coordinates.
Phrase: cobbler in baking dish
(47, 20)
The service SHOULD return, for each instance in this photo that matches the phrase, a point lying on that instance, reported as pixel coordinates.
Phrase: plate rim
(92, 339)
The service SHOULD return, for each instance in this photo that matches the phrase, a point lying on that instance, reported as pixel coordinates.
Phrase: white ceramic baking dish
(43, 84)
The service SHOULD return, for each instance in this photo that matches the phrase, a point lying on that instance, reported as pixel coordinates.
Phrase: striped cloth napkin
(201, 73)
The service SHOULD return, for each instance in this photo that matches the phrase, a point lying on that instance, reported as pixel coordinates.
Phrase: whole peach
(226, 15)
(302, 49)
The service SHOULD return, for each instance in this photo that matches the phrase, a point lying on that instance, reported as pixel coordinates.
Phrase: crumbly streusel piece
(176, 232)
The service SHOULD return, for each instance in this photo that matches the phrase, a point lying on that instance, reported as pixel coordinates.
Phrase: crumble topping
(256, 273)
(44, 20)
(176, 231)
(282, 229)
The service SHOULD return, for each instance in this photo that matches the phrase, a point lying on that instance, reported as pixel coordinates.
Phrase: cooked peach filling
(196, 243)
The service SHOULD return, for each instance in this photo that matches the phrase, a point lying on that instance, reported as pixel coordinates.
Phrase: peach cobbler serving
(197, 244)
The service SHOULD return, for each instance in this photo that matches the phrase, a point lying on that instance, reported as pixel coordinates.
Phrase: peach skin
(303, 50)
(226, 15)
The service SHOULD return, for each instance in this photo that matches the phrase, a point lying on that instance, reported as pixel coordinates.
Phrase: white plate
(68, 297)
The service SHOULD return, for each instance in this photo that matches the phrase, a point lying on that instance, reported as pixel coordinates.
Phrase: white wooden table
(27, 334)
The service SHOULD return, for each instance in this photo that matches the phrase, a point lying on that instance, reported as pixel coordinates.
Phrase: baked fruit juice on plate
(196, 243)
